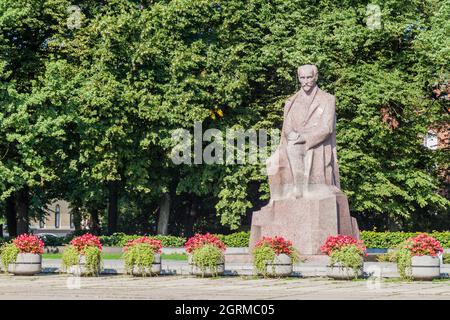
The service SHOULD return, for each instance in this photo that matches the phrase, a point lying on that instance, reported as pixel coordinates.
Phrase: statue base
(306, 221)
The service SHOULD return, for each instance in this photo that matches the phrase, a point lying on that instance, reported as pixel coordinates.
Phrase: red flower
(28, 243)
(337, 242)
(86, 240)
(278, 244)
(155, 244)
(200, 240)
(423, 245)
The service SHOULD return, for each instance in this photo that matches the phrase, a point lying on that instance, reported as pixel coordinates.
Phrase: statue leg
(296, 160)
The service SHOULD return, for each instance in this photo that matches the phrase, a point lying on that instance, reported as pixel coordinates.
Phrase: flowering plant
(206, 251)
(86, 240)
(27, 243)
(420, 245)
(156, 245)
(90, 248)
(278, 244)
(346, 253)
(423, 245)
(199, 240)
(139, 255)
(266, 251)
(336, 243)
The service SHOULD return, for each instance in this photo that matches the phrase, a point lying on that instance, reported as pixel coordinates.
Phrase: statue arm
(319, 133)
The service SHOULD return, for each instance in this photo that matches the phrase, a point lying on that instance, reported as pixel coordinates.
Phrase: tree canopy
(91, 91)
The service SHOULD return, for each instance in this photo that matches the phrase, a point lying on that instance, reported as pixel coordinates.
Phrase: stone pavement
(307, 269)
(60, 286)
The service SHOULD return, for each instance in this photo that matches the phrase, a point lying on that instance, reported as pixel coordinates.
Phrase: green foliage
(404, 261)
(347, 257)
(207, 257)
(92, 254)
(446, 258)
(170, 241)
(53, 241)
(70, 257)
(387, 240)
(262, 256)
(141, 257)
(237, 239)
(119, 239)
(8, 254)
(93, 257)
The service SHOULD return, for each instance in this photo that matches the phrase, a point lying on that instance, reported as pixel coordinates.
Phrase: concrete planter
(154, 270)
(27, 264)
(425, 267)
(80, 269)
(338, 272)
(208, 272)
(280, 267)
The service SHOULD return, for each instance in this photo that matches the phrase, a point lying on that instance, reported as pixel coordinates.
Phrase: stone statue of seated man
(306, 203)
(306, 162)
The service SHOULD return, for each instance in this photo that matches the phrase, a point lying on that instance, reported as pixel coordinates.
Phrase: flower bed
(417, 258)
(274, 256)
(346, 256)
(206, 255)
(142, 256)
(22, 256)
(83, 256)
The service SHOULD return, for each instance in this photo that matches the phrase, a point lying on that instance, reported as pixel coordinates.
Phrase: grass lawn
(113, 256)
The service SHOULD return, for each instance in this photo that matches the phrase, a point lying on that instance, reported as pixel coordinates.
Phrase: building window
(57, 216)
(72, 225)
(42, 223)
(431, 140)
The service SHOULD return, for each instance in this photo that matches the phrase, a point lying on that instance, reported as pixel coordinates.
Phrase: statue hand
(298, 140)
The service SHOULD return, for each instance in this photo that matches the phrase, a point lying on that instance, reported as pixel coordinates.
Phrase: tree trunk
(190, 219)
(76, 216)
(95, 221)
(113, 206)
(22, 204)
(11, 217)
(164, 213)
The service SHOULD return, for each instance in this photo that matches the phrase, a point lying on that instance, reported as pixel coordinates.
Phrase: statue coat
(318, 127)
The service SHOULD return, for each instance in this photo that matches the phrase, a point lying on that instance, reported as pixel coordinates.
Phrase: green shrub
(141, 256)
(207, 256)
(349, 256)
(374, 239)
(170, 241)
(237, 239)
(120, 239)
(52, 241)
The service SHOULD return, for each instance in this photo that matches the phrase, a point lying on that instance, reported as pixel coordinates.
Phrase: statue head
(307, 75)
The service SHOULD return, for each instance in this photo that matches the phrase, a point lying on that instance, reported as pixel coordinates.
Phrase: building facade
(58, 221)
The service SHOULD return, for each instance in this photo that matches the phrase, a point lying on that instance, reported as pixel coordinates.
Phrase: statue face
(307, 79)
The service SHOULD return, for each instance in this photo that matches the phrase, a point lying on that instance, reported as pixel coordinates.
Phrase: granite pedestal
(306, 221)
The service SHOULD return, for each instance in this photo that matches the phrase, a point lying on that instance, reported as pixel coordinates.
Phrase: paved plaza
(61, 286)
